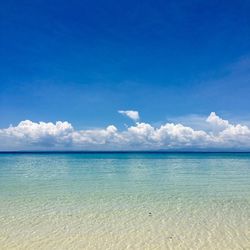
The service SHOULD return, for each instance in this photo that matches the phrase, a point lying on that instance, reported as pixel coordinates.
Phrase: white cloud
(62, 135)
(225, 133)
(42, 133)
(134, 115)
(95, 136)
(216, 121)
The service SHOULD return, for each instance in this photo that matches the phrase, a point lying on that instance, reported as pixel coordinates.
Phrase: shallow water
(125, 201)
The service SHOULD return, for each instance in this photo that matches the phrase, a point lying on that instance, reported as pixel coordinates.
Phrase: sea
(124, 200)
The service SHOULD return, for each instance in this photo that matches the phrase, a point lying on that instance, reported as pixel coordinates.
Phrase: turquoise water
(121, 201)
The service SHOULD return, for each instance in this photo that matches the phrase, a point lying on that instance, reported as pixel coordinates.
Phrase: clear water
(125, 201)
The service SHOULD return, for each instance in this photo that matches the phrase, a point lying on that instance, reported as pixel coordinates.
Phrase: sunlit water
(124, 201)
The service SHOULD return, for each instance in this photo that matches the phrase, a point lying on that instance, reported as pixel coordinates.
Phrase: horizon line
(114, 152)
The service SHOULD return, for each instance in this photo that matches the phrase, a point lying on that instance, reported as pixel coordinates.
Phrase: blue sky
(82, 61)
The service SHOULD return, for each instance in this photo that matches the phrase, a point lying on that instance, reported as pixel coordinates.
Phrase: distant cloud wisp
(134, 115)
(222, 134)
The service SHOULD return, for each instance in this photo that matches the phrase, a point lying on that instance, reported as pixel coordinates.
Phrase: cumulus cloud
(134, 115)
(169, 136)
(216, 121)
(42, 133)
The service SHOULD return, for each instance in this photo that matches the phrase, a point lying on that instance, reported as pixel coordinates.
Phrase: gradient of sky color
(82, 61)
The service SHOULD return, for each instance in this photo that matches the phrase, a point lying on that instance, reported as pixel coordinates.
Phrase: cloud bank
(28, 135)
